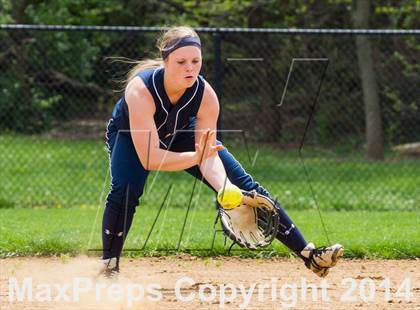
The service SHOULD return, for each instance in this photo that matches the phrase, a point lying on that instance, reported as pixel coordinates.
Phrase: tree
(373, 119)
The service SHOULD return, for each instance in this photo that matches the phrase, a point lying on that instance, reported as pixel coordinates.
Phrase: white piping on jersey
(161, 103)
(195, 92)
(160, 99)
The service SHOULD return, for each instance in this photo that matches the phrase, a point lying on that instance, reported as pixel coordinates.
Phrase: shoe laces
(318, 253)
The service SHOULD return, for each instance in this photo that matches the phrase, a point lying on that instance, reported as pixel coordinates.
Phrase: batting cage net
(295, 109)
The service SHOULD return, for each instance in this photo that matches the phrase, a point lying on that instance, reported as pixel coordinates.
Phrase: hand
(205, 148)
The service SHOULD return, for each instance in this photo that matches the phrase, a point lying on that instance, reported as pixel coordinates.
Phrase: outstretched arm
(212, 167)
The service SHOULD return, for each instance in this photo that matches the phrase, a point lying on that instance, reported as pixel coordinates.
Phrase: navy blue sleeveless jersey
(168, 117)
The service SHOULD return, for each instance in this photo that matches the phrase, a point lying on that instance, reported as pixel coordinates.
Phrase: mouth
(189, 77)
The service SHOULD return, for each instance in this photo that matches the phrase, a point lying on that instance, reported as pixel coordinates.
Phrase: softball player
(161, 98)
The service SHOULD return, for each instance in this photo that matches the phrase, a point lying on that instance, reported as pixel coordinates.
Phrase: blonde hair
(169, 35)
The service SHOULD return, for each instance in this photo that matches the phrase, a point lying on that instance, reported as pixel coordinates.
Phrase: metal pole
(218, 76)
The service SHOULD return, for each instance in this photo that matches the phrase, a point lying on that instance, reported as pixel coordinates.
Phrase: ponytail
(142, 65)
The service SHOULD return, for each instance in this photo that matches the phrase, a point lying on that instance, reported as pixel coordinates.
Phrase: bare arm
(144, 133)
(211, 168)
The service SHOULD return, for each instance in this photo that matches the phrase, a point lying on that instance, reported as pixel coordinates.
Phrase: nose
(189, 66)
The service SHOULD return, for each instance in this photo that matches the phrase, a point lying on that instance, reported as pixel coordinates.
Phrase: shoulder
(148, 74)
(210, 102)
(137, 94)
(209, 95)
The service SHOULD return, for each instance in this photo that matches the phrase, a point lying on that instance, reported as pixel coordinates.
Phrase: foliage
(58, 76)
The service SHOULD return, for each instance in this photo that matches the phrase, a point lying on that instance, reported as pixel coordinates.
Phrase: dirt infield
(215, 283)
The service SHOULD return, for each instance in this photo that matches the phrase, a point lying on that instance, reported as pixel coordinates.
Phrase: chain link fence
(59, 85)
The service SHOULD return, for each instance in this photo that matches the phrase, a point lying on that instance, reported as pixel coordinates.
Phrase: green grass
(370, 234)
(42, 172)
(39, 172)
(52, 194)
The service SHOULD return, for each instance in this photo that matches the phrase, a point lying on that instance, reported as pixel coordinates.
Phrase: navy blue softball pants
(128, 178)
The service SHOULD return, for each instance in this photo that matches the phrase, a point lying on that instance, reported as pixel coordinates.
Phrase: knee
(123, 196)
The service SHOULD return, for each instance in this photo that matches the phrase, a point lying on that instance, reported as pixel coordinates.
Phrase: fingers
(205, 136)
(219, 147)
(204, 140)
(205, 147)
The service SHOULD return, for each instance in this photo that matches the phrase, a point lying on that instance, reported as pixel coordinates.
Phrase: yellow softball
(229, 197)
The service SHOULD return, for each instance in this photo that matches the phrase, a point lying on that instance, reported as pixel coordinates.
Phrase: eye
(181, 62)
(196, 61)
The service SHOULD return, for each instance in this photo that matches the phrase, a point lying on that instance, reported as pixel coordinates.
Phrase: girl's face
(183, 66)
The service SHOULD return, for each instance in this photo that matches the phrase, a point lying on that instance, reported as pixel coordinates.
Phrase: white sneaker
(111, 268)
(319, 260)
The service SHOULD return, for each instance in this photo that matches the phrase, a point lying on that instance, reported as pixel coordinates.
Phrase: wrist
(197, 158)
